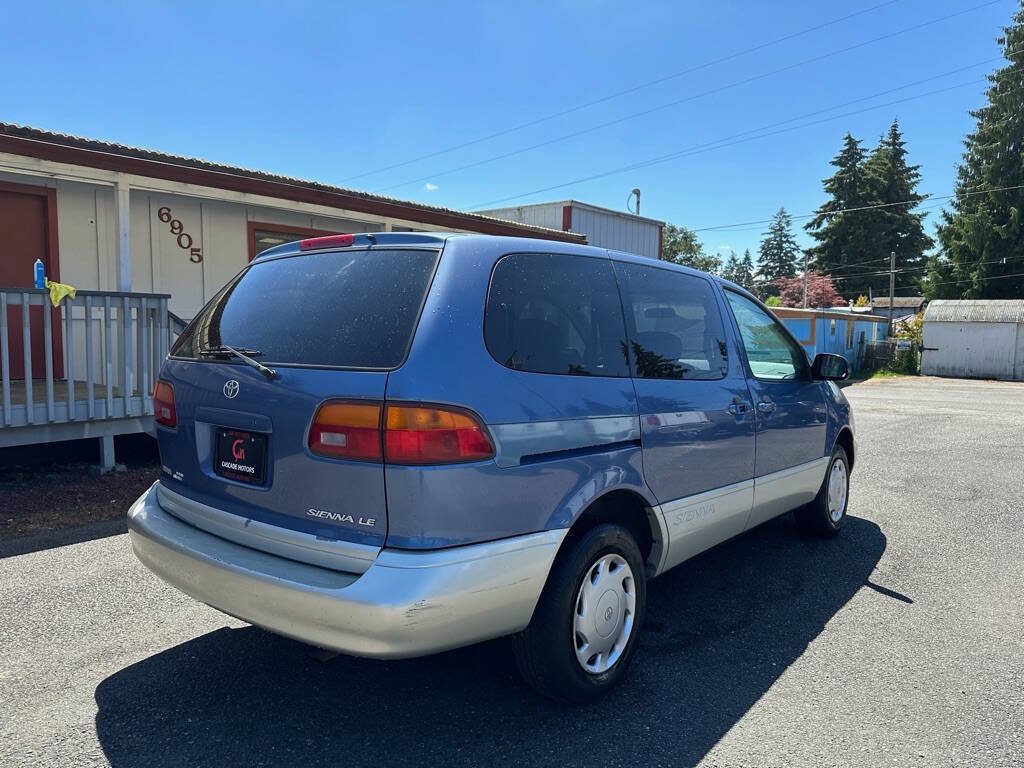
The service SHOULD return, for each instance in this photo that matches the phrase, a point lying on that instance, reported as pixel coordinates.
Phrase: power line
(730, 228)
(859, 264)
(969, 193)
(957, 282)
(907, 270)
(624, 92)
(702, 94)
(720, 144)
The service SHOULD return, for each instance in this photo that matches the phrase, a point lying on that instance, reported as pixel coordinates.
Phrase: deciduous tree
(820, 291)
(681, 246)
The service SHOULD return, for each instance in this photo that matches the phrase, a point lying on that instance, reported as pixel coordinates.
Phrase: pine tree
(745, 272)
(842, 238)
(731, 269)
(779, 250)
(982, 237)
(894, 228)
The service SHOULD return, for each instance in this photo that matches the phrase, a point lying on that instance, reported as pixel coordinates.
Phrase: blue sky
(332, 92)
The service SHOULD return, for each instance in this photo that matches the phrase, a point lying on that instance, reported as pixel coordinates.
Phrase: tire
(551, 653)
(825, 515)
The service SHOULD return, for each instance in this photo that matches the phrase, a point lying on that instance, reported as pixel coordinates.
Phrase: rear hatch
(330, 324)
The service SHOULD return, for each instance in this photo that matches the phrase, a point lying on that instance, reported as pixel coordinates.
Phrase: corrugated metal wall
(620, 233)
(973, 350)
(545, 215)
(605, 230)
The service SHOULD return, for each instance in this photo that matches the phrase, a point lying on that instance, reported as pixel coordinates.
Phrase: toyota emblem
(231, 389)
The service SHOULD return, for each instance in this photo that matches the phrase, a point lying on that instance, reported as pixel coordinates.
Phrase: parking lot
(899, 643)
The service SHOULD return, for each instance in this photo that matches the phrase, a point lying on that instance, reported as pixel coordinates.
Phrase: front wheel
(825, 515)
(585, 627)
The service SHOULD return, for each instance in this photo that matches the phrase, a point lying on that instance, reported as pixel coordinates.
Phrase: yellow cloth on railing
(58, 291)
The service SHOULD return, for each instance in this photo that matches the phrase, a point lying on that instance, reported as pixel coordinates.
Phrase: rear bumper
(405, 604)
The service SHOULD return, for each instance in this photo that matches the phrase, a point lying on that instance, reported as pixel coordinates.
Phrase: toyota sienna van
(395, 444)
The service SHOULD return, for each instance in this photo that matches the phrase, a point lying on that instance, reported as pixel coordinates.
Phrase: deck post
(106, 452)
(124, 239)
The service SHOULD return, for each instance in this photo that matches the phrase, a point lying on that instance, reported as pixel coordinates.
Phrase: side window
(772, 354)
(674, 324)
(556, 313)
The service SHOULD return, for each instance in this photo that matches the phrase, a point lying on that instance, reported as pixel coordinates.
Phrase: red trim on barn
(170, 169)
(566, 218)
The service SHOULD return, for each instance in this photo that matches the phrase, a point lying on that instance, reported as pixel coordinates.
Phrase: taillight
(416, 434)
(347, 431)
(163, 404)
(328, 241)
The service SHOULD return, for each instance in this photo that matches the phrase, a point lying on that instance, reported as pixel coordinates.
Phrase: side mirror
(828, 367)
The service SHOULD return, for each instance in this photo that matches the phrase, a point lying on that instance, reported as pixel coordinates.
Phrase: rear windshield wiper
(242, 354)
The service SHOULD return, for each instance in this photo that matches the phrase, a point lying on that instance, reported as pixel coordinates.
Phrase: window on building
(555, 313)
(267, 238)
(264, 236)
(674, 324)
(849, 334)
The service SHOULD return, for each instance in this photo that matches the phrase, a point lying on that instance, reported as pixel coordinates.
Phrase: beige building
(146, 238)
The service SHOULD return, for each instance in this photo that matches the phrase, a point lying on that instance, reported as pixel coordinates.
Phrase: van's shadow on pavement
(720, 630)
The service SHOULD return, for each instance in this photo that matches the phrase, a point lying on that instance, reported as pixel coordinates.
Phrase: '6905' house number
(195, 255)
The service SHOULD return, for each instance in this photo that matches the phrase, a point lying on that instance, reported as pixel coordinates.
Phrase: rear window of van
(344, 309)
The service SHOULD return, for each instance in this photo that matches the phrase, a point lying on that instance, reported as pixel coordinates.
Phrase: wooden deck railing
(94, 357)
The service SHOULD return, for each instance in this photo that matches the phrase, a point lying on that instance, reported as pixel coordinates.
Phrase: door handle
(738, 406)
(765, 406)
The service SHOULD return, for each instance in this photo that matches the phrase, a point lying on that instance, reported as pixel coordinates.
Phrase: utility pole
(892, 285)
(805, 280)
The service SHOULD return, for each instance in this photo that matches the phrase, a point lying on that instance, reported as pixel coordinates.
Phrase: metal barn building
(974, 339)
(603, 227)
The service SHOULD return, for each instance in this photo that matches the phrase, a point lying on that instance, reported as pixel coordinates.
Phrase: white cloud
(724, 248)
(430, 187)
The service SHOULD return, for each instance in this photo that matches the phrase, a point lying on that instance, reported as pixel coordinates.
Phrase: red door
(28, 232)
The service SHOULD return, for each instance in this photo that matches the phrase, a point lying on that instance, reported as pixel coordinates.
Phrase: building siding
(87, 237)
(546, 215)
(973, 350)
(815, 333)
(605, 229)
(616, 232)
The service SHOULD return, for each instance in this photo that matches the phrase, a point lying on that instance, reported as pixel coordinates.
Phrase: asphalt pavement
(899, 643)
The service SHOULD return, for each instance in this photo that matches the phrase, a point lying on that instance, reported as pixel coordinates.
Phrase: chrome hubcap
(605, 610)
(837, 487)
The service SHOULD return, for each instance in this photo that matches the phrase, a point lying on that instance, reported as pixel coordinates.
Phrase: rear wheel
(585, 627)
(825, 515)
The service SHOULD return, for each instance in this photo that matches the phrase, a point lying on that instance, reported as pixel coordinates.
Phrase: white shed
(974, 338)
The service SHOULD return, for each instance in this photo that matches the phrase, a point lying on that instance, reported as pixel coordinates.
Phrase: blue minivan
(396, 444)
